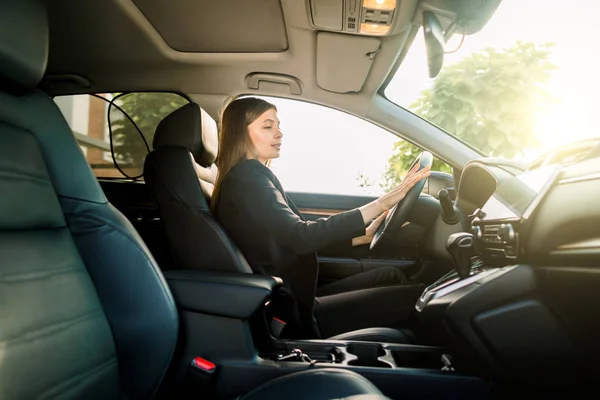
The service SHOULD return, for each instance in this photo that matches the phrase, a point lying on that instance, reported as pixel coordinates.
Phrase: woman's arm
(268, 208)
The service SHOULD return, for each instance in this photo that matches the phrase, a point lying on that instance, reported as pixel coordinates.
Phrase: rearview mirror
(434, 42)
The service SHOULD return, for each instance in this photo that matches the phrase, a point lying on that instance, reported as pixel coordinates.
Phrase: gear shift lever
(460, 247)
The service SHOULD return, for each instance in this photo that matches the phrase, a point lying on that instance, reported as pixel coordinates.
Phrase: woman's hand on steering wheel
(401, 200)
(398, 201)
(395, 196)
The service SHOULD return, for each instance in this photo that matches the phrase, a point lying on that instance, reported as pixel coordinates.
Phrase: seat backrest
(85, 312)
(184, 148)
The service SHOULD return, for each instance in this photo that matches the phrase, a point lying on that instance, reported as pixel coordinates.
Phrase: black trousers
(382, 297)
(382, 276)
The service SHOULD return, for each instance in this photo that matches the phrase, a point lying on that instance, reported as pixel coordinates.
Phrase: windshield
(526, 83)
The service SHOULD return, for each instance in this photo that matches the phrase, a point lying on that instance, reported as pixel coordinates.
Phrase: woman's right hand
(390, 199)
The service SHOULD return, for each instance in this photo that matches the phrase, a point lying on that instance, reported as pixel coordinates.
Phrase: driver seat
(186, 141)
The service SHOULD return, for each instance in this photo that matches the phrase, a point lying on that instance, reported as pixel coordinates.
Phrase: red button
(204, 364)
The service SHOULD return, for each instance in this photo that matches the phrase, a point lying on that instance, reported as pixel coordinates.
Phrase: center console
(224, 325)
(360, 355)
(398, 370)
(493, 244)
(498, 310)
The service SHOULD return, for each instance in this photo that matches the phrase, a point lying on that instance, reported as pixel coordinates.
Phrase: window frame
(397, 135)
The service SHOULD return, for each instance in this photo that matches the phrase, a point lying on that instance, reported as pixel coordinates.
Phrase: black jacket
(273, 235)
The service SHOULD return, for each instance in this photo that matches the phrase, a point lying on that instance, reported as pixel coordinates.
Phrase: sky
(325, 151)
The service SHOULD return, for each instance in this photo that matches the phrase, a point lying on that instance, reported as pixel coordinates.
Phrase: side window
(131, 116)
(331, 152)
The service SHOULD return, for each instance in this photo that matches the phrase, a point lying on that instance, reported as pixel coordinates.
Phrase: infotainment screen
(517, 197)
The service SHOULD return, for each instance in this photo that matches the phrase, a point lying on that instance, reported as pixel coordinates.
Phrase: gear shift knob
(460, 247)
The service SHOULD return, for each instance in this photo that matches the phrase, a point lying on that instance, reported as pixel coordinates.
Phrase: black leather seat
(85, 310)
(189, 136)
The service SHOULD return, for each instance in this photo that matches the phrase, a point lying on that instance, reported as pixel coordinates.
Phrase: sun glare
(574, 83)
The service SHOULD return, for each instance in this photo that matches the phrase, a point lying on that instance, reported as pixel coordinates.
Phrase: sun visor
(344, 61)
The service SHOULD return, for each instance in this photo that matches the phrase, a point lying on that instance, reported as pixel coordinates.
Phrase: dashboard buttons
(496, 242)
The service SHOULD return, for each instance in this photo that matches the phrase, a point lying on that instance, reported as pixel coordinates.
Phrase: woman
(252, 206)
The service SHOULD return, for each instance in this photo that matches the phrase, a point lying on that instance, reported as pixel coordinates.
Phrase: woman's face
(266, 136)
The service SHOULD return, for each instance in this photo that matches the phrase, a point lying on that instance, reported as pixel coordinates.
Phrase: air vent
(491, 229)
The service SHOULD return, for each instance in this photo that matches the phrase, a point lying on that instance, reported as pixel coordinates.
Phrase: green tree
(146, 110)
(489, 99)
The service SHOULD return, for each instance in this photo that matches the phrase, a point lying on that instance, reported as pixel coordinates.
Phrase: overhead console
(365, 17)
(378, 17)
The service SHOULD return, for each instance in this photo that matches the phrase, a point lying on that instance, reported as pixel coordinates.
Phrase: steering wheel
(398, 214)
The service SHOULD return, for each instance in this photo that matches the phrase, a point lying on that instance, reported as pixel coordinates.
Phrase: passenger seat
(86, 312)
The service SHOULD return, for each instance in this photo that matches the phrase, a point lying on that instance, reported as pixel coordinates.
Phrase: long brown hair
(234, 140)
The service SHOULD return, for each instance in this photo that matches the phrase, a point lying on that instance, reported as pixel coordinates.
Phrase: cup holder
(367, 356)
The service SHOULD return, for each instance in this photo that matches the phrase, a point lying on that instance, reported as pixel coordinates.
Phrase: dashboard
(546, 211)
(526, 311)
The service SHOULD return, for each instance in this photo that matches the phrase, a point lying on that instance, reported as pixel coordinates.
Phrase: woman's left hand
(369, 232)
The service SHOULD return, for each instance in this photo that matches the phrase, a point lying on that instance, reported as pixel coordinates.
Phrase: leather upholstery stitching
(82, 200)
(33, 275)
(19, 176)
(53, 328)
(69, 383)
(24, 173)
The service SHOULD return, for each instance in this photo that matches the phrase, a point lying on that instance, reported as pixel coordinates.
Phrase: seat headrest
(23, 45)
(191, 127)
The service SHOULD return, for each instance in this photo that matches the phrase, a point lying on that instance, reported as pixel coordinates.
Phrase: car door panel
(315, 205)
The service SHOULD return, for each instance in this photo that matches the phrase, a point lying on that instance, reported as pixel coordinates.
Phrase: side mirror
(434, 41)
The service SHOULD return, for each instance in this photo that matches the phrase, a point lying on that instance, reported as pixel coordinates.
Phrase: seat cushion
(385, 335)
(317, 384)
(373, 307)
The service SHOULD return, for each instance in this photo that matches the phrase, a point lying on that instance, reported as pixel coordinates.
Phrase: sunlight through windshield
(525, 84)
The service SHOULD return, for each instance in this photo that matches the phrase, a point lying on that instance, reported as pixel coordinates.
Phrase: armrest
(228, 294)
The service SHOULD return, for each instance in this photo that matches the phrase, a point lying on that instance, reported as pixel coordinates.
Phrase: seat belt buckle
(277, 326)
(201, 374)
(203, 366)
